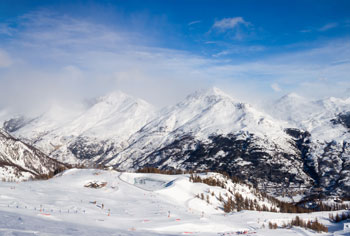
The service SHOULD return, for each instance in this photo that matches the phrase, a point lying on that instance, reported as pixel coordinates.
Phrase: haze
(60, 51)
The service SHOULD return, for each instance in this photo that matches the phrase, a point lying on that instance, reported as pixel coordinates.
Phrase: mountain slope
(19, 161)
(325, 147)
(325, 119)
(203, 114)
(210, 130)
(85, 134)
(301, 149)
(301, 154)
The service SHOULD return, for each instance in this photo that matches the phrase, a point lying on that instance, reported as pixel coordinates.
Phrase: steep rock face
(19, 161)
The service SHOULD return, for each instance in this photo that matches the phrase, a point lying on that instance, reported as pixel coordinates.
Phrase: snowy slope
(201, 115)
(314, 116)
(19, 161)
(169, 206)
(116, 115)
(212, 111)
(70, 135)
(326, 147)
(209, 130)
(297, 148)
(104, 128)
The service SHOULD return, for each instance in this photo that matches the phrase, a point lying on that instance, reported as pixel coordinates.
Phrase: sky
(64, 51)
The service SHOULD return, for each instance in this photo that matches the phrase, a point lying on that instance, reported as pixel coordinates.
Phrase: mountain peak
(291, 96)
(214, 91)
(119, 98)
(217, 91)
(210, 93)
(290, 100)
(113, 97)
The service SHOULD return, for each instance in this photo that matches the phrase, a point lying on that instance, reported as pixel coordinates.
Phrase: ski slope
(129, 204)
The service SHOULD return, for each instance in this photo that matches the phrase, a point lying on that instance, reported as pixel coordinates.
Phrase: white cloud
(70, 59)
(324, 28)
(305, 31)
(229, 23)
(72, 72)
(240, 50)
(194, 22)
(50, 30)
(328, 26)
(276, 87)
(235, 28)
(5, 60)
(210, 42)
(74, 59)
(222, 53)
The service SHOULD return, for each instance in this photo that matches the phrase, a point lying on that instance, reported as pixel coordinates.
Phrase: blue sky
(162, 50)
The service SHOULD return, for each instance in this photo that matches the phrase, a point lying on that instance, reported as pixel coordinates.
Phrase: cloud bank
(49, 58)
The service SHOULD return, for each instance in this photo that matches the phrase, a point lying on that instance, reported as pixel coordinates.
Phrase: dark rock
(343, 119)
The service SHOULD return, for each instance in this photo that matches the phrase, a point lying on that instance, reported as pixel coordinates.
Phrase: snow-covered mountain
(210, 130)
(297, 148)
(84, 134)
(322, 132)
(20, 161)
(200, 116)
(326, 119)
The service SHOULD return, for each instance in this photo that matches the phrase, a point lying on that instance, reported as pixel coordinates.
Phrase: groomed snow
(63, 206)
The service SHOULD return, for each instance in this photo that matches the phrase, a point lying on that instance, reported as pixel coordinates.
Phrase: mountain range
(295, 148)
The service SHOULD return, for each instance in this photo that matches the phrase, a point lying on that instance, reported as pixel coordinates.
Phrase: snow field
(165, 205)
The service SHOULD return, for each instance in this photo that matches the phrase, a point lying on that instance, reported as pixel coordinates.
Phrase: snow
(115, 115)
(21, 162)
(118, 129)
(313, 116)
(126, 132)
(126, 124)
(63, 206)
(200, 115)
(110, 120)
(4, 115)
(10, 173)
